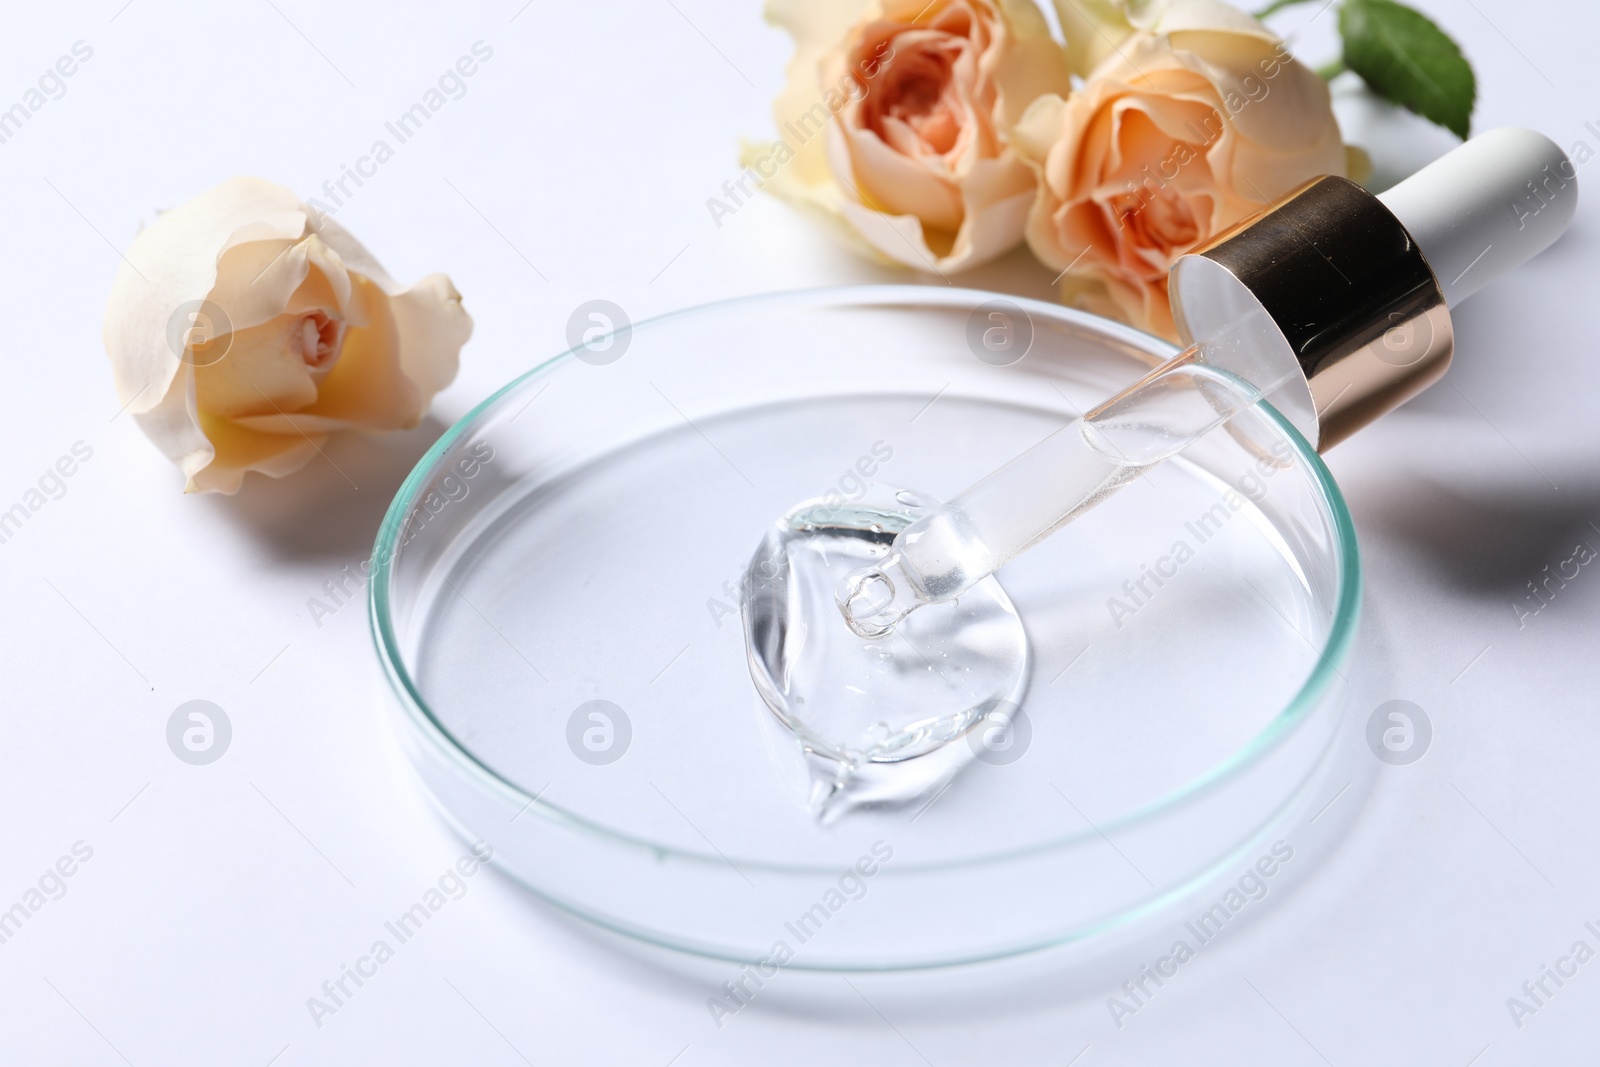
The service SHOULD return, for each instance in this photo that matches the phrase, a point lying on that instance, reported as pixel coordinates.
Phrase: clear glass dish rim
(1334, 653)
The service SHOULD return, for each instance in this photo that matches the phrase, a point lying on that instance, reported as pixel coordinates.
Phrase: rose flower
(1195, 119)
(243, 329)
(895, 122)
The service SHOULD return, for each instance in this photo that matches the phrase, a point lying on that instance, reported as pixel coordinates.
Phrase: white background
(577, 166)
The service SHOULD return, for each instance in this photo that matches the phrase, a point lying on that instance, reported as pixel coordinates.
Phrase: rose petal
(367, 386)
(432, 326)
(995, 201)
(887, 181)
(260, 374)
(817, 27)
(239, 450)
(1035, 133)
(1093, 29)
(1029, 66)
(173, 424)
(1206, 16)
(177, 259)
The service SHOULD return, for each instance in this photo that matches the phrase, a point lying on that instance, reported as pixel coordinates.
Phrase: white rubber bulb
(1487, 207)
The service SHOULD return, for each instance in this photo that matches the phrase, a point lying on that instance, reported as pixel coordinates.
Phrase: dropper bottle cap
(1337, 301)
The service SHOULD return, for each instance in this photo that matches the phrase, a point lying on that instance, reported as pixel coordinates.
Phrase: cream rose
(1196, 118)
(244, 328)
(895, 122)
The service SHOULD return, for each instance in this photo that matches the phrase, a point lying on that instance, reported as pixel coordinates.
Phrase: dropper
(1333, 304)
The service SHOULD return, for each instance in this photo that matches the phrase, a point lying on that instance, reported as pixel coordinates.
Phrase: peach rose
(244, 328)
(895, 122)
(1197, 117)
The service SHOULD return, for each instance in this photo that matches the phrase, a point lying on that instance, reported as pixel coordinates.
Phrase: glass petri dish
(555, 605)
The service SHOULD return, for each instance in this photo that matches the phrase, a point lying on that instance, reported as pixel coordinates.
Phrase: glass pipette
(1332, 304)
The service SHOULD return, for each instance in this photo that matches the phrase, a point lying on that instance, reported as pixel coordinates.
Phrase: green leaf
(1407, 59)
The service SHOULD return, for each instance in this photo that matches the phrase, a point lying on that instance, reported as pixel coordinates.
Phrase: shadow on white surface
(1491, 539)
(332, 508)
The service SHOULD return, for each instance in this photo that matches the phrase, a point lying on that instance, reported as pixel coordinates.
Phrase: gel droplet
(882, 721)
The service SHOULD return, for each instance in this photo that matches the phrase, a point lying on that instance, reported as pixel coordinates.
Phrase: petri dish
(555, 606)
